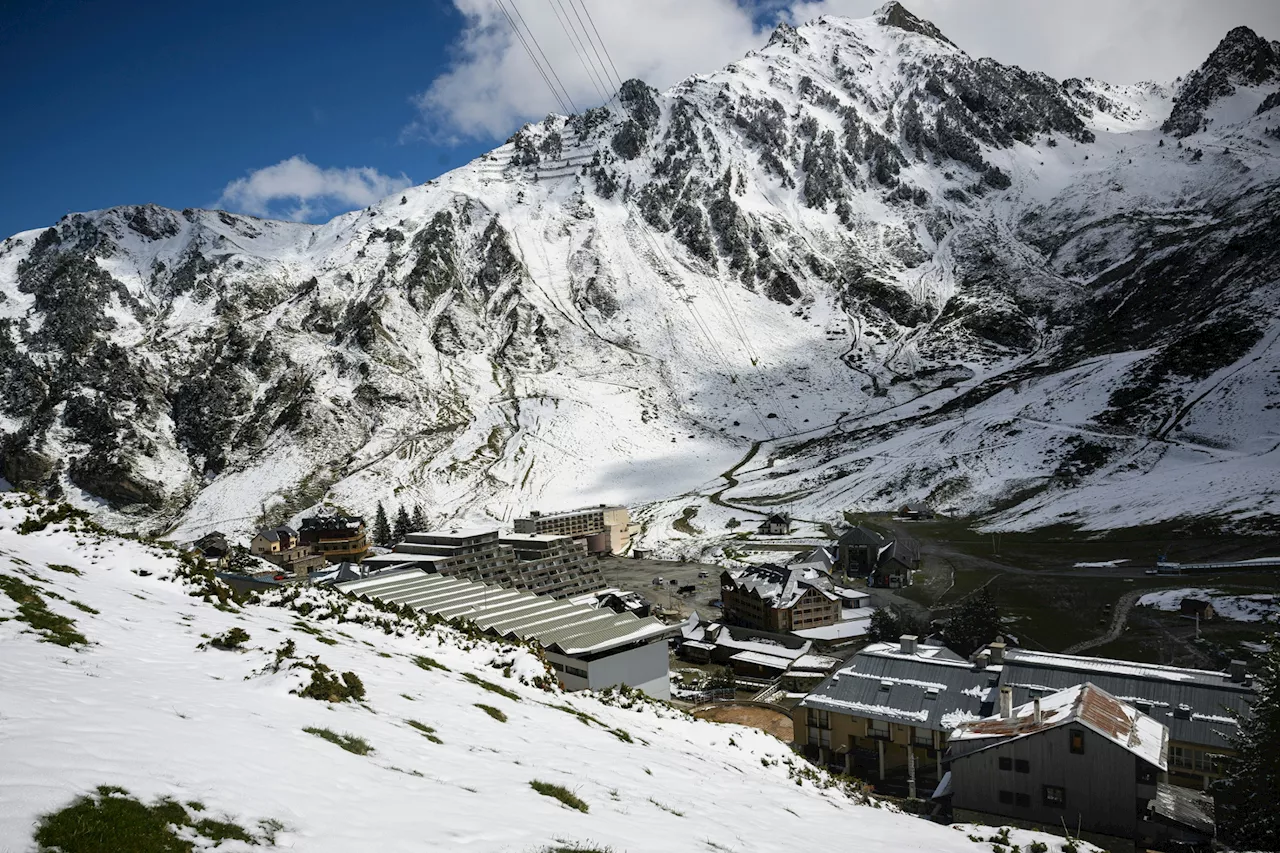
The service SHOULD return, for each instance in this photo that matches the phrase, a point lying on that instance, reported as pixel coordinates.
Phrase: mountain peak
(894, 14)
(1242, 58)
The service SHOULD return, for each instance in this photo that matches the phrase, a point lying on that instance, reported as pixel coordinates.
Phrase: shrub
(328, 687)
(559, 792)
(232, 640)
(492, 712)
(350, 743)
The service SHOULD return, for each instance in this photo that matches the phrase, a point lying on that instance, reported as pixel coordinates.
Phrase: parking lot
(638, 576)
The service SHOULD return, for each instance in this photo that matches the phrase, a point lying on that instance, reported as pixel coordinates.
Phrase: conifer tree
(974, 622)
(403, 525)
(381, 528)
(419, 518)
(1247, 795)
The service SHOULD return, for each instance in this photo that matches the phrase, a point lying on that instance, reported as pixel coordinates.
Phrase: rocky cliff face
(906, 272)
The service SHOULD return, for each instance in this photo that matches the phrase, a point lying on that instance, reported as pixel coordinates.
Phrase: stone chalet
(781, 599)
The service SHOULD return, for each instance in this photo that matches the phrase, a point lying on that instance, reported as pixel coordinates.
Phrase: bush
(232, 640)
(326, 686)
(560, 793)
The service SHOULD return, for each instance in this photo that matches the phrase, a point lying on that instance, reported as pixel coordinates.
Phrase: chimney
(1036, 716)
(909, 643)
(1182, 712)
(1237, 671)
(1006, 703)
(980, 660)
(997, 651)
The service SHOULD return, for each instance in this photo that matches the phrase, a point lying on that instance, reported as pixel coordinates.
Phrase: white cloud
(306, 190)
(492, 86)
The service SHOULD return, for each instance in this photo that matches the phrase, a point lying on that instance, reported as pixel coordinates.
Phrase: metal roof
(555, 624)
(932, 688)
(1086, 704)
(1195, 704)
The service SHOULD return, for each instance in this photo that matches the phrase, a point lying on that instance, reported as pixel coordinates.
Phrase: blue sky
(306, 109)
(166, 102)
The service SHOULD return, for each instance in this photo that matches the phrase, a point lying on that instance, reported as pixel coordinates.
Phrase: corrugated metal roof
(555, 624)
(1195, 704)
(933, 688)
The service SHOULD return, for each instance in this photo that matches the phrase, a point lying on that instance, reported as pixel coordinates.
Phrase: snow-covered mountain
(871, 266)
(123, 679)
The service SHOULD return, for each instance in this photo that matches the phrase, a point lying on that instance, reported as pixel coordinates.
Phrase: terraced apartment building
(555, 566)
(603, 529)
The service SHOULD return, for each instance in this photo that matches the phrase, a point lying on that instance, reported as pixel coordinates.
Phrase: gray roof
(861, 536)
(555, 624)
(934, 688)
(1208, 696)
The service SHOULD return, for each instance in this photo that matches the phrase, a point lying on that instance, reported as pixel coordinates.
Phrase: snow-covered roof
(782, 587)
(813, 663)
(1085, 705)
(771, 661)
(932, 688)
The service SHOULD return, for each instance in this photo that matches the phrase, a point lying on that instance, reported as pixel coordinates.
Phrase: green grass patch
(583, 716)
(231, 641)
(110, 819)
(666, 808)
(622, 735)
(491, 687)
(32, 610)
(427, 731)
(429, 663)
(66, 570)
(351, 743)
(492, 712)
(684, 523)
(561, 793)
(81, 606)
(573, 846)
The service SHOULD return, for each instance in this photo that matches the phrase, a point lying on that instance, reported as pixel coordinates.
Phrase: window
(1077, 741)
(1022, 765)
(1023, 801)
(1180, 756)
(819, 737)
(922, 737)
(1203, 762)
(1006, 763)
(1055, 796)
(820, 719)
(876, 728)
(1006, 798)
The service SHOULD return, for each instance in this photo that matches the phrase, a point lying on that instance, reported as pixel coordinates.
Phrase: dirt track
(776, 723)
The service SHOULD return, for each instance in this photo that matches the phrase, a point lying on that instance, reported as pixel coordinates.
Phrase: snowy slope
(905, 272)
(142, 706)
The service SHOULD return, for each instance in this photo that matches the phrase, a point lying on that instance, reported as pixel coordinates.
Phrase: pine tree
(1246, 796)
(381, 528)
(403, 525)
(975, 621)
(883, 626)
(419, 518)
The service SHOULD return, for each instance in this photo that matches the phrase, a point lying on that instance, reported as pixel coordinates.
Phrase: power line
(568, 97)
(532, 58)
(567, 25)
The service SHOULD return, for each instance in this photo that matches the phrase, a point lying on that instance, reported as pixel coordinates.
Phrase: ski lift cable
(603, 46)
(576, 42)
(550, 66)
(615, 86)
(534, 59)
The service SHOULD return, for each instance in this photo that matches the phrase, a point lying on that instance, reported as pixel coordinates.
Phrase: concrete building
(889, 711)
(781, 599)
(1079, 758)
(557, 566)
(589, 648)
(1197, 705)
(603, 529)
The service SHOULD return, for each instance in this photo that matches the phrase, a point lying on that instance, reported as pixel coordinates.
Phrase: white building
(589, 648)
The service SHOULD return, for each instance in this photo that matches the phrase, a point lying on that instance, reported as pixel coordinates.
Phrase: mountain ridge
(850, 223)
